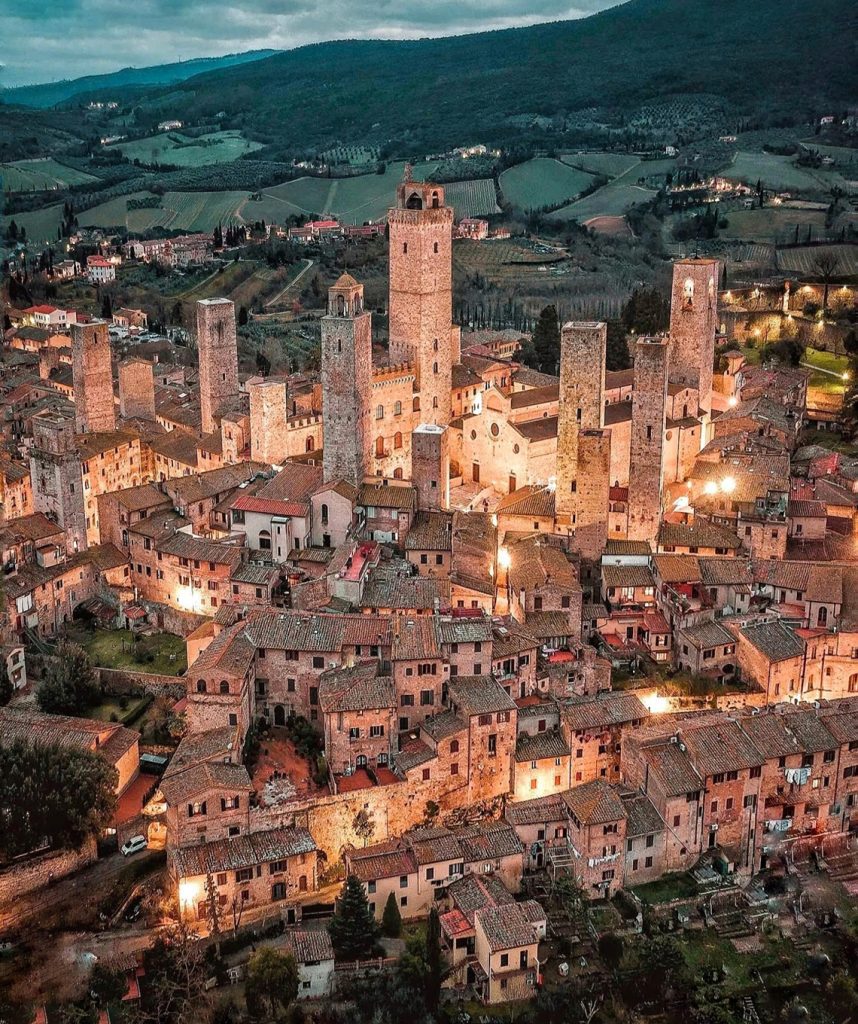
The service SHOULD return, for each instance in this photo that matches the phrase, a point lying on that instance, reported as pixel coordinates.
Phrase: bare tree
(826, 262)
(589, 1009)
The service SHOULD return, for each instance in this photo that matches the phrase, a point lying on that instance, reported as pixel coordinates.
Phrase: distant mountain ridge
(783, 58)
(49, 94)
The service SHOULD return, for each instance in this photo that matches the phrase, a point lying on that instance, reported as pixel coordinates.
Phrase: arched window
(224, 686)
(264, 540)
(397, 409)
(414, 202)
(341, 305)
(310, 445)
(397, 473)
(397, 440)
(454, 747)
(435, 345)
(822, 617)
(324, 513)
(853, 683)
(379, 412)
(435, 200)
(435, 247)
(434, 367)
(415, 405)
(201, 686)
(379, 447)
(435, 402)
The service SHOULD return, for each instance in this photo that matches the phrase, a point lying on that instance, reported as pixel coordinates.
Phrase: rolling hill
(770, 61)
(50, 94)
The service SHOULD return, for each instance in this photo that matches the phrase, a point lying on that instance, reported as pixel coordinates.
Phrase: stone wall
(34, 873)
(117, 680)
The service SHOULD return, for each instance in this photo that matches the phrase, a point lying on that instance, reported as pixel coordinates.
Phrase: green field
(609, 164)
(41, 174)
(803, 260)
(777, 172)
(613, 200)
(185, 151)
(41, 225)
(542, 182)
(772, 224)
(474, 198)
(181, 211)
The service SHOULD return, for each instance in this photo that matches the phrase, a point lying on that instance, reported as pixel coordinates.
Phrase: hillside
(50, 94)
(628, 66)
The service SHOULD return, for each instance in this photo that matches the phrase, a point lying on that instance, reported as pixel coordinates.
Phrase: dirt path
(273, 302)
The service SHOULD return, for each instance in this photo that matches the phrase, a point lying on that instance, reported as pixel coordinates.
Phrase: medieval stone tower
(137, 389)
(269, 414)
(646, 461)
(218, 356)
(693, 323)
(56, 476)
(92, 378)
(346, 384)
(421, 297)
(582, 389)
(430, 465)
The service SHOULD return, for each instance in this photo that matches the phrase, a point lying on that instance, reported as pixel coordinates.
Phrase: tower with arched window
(421, 298)
(346, 384)
(693, 323)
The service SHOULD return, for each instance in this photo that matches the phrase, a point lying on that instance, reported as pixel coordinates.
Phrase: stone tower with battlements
(55, 472)
(693, 323)
(269, 415)
(137, 389)
(646, 458)
(218, 356)
(430, 465)
(92, 378)
(346, 384)
(582, 389)
(421, 296)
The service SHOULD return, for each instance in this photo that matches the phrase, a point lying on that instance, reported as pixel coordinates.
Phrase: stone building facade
(92, 375)
(218, 351)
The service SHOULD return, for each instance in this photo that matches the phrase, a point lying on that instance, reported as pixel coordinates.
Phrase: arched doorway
(279, 715)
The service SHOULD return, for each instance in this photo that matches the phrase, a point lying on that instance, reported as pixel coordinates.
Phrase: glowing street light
(711, 487)
(504, 560)
(728, 484)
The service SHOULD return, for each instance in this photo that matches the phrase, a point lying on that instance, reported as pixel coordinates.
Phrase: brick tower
(346, 384)
(590, 518)
(56, 476)
(268, 420)
(693, 323)
(582, 390)
(218, 355)
(92, 378)
(430, 466)
(646, 458)
(137, 389)
(421, 296)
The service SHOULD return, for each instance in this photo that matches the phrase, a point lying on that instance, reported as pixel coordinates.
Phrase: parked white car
(134, 845)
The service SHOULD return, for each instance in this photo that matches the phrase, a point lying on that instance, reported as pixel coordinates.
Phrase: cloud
(46, 40)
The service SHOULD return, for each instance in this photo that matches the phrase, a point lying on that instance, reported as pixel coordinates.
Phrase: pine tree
(546, 340)
(433, 961)
(391, 921)
(69, 686)
(353, 929)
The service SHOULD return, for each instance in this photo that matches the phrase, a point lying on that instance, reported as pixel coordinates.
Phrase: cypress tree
(353, 930)
(391, 921)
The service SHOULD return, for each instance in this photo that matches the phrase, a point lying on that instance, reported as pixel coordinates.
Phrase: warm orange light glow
(711, 487)
(504, 560)
(656, 704)
(728, 484)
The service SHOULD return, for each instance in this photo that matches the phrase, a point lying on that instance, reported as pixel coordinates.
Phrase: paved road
(291, 284)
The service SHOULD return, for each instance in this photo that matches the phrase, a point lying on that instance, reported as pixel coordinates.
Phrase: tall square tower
(218, 355)
(92, 378)
(693, 324)
(646, 459)
(421, 292)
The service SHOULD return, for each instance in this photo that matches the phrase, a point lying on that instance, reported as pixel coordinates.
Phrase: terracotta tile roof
(270, 506)
(367, 630)
(231, 652)
(510, 638)
(359, 688)
(90, 445)
(487, 841)
(478, 695)
(770, 735)
(806, 510)
(185, 545)
(185, 784)
(701, 534)
(203, 746)
(614, 576)
(295, 482)
(537, 430)
(465, 630)
(200, 486)
(431, 845)
(595, 803)
(506, 927)
(672, 767)
(549, 743)
(414, 637)
(473, 892)
(720, 747)
(430, 531)
(809, 730)
(443, 725)
(546, 395)
(530, 501)
(707, 634)
(524, 375)
(242, 851)
(33, 527)
(391, 586)
(774, 640)
(641, 816)
(536, 812)
(627, 547)
(297, 631)
(546, 625)
(715, 572)
(606, 709)
(387, 496)
(413, 754)
(309, 946)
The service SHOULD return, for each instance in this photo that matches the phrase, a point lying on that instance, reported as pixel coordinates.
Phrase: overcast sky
(47, 40)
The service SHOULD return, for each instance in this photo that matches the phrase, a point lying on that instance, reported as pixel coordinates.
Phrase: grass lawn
(112, 710)
(819, 359)
(675, 886)
(116, 648)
